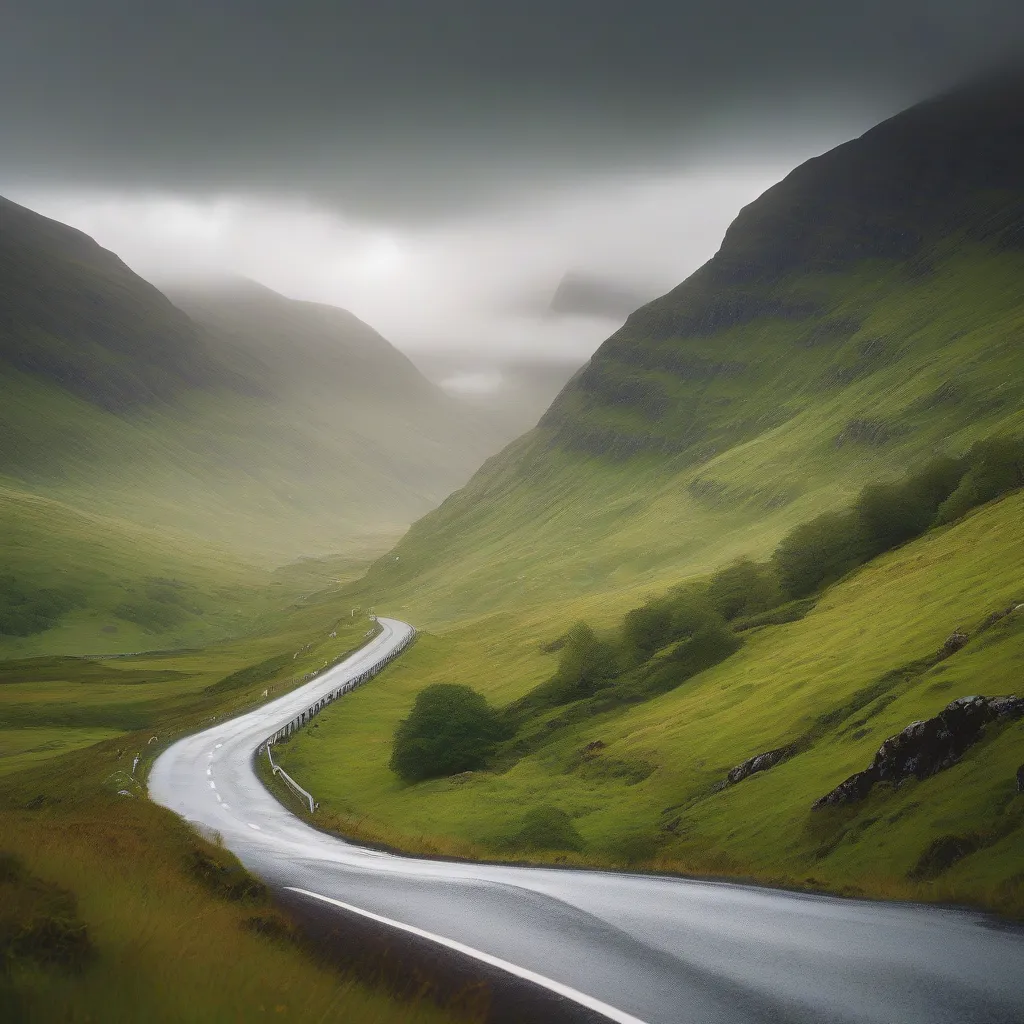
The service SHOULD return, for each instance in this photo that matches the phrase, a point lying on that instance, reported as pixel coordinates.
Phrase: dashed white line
(258, 829)
(213, 785)
(520, 972)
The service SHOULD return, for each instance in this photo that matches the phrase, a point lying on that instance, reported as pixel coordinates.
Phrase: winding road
(630, 947)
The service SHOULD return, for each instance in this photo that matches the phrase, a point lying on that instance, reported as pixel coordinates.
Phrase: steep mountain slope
(295, 346)
(267, 428)
(279, 428)
(860, 314)
(72, 313)
(863, 316)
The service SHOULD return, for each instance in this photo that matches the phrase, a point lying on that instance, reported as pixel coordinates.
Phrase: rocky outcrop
(954, 642)
(759, 763)
(925, 748)
(1020, 779)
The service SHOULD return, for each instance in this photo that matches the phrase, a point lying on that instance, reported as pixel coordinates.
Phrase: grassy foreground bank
(111, 908)
(640, 786)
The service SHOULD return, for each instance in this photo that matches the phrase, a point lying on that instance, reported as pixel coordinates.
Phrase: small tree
(451, 729)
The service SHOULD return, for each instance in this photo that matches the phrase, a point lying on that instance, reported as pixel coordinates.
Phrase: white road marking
(258, 829)
(220, 799)
(209, 771)
(520, 972)
(213, 785)
(218, 746)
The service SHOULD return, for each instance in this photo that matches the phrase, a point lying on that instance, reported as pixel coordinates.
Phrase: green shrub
(893, 513)
(587, 664)
(995, 467)
(890, 514)
(451, 729)
(711, 642)
(743, 589)
(548, 828)
(649, 628)
(665, 621)
(819, 551)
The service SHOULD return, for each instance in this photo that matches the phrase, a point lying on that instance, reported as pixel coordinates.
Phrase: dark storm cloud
(415, 107)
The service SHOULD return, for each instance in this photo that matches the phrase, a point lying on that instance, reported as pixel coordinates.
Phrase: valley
(744, 604)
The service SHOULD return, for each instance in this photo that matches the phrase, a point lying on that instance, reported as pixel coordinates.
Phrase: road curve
(638, 948)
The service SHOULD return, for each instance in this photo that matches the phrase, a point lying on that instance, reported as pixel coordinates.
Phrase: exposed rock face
(1020, 779)
(954, 642)
(925, 748)
(759, 763)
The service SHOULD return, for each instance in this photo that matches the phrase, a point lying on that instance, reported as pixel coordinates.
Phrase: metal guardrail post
(301, 719)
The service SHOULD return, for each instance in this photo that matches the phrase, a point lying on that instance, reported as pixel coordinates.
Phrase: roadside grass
(175, 928)
(170, 941)
(827, 677)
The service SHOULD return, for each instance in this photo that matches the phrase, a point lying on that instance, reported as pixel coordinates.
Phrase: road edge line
(589, 1002)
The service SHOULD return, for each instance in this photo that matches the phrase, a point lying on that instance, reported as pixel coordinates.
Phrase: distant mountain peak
(583, 294)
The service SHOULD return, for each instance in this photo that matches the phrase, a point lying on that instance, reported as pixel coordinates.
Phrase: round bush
(451, 729)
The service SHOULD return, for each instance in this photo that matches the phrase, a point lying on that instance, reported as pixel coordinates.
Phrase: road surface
(632, 947)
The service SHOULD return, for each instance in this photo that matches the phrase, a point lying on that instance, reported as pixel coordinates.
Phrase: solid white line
(520, 972)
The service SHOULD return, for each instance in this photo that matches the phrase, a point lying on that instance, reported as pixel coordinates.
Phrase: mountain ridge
(751, 396)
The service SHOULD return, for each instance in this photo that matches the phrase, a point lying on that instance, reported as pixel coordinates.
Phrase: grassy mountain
(265, 428)
(861, 318)
(72, 314)
(861, 314)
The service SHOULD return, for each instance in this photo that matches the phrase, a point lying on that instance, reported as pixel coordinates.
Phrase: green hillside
(861, 315)
(272, 427)
(861, 318)
(138, 443)
(643, 784)
(73, 314)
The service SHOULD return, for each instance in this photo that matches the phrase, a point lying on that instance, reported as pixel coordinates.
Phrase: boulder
(759, 763)
(954, 642)
(925, 748)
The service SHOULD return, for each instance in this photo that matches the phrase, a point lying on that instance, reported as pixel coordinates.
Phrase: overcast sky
(436, 165)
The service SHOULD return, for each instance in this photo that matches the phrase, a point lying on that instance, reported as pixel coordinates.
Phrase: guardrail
(303, 719)
(296, 788)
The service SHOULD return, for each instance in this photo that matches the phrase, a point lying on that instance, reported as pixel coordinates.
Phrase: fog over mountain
(425, 166)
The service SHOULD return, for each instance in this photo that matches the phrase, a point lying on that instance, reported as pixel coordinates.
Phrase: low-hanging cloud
(475, 283)
(437, 165)
(404, 108)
